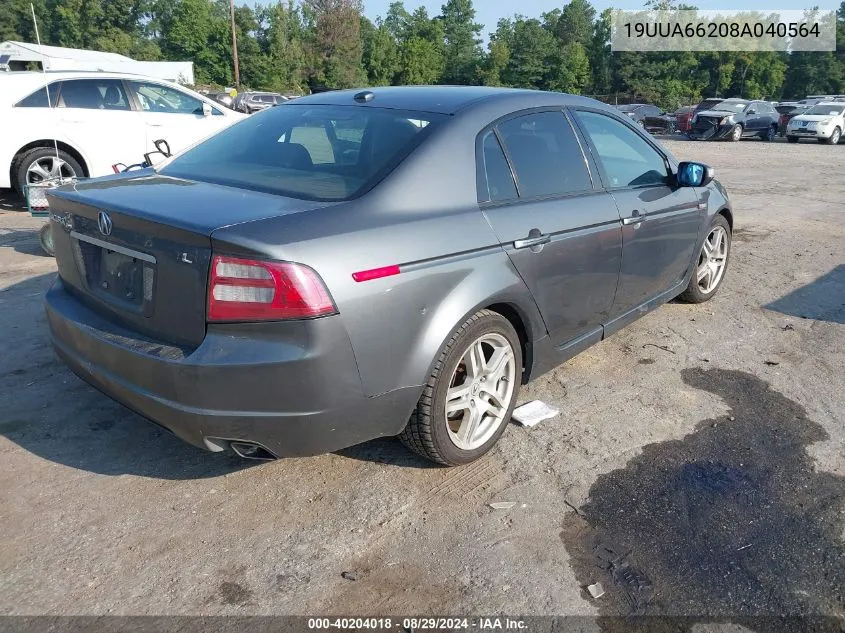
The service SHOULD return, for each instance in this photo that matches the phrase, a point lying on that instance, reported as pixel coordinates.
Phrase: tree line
(297, 45)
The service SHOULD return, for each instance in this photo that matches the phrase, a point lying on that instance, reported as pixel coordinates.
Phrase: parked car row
(815, 117)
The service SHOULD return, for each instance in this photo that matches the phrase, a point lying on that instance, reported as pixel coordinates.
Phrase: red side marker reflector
(375, 273)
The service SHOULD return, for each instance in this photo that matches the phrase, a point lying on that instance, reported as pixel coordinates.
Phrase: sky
(488, 12)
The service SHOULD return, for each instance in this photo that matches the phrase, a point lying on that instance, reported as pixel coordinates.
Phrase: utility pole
(235, 45)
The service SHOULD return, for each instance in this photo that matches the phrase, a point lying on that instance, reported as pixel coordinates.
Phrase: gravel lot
(697, 467)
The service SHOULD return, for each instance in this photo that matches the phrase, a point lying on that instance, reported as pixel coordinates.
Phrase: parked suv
(256, 101)
(734, 118)
(823, 122)
(96, 119)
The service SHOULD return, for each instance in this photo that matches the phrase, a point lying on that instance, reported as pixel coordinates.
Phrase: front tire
(736, 133)
(471, 393)
(711, 264)
(834, 137)
(44, 164)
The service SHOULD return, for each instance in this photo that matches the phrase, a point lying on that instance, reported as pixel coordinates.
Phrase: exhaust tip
(249, 450)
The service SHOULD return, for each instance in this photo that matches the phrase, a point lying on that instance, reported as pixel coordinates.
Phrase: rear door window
(94, 94)
(545, 154)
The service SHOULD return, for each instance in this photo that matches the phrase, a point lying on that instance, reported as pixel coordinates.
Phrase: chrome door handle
(636, 218)
(534, 240)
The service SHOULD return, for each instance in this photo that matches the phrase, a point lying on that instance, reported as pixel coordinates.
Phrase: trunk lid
(137, 249)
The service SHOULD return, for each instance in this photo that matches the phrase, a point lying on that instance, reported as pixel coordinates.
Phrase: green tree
(282, 40)
(530, 46)
(196, 30)
(574, 23)
(495, 63)
(337, 42)
(462, 50)
(380, 53)
(396, 21)
(601, 58)
(569, 69)
(16, 21)
(420, 62)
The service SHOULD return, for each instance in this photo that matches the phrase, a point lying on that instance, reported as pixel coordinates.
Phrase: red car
(682, 118)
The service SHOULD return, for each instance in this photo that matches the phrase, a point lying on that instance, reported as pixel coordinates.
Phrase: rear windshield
(828, 110)
(313, 152)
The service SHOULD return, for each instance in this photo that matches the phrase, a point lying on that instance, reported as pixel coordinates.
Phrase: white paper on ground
(534, 412)
(502, 505)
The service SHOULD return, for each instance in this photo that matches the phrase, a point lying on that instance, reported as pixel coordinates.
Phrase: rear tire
(770, 134)
(435, 436)
(45, 238)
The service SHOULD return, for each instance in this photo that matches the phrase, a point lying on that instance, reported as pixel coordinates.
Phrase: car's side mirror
(206, 109)
(694, 174)
(163, 147)
(752, 111)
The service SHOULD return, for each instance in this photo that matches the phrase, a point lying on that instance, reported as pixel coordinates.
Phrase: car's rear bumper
(292, 388)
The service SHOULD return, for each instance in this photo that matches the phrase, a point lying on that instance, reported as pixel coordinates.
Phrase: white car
(824, 121)
(97, 119)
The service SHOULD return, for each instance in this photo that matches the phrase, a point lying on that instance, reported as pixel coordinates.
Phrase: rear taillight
(253, 290)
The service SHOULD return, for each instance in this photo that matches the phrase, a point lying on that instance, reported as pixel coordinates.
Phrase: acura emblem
(104, 223)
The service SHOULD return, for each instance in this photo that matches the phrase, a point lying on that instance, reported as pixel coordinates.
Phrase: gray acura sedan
(358, 264)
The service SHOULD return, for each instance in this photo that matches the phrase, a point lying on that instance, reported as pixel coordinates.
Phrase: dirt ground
(697, 467)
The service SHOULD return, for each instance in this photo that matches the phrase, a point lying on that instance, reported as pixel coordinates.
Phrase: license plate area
(117, 275)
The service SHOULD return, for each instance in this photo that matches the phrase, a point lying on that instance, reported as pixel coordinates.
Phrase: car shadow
(822, 299)
(11, 200)
(51, 413)
(389, 451)
(24, 241)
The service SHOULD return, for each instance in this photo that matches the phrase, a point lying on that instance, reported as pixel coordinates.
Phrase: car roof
(442, 99)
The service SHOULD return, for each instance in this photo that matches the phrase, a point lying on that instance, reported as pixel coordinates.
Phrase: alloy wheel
(48, 168)
(736, 133)
(834, 138)
(712, 260)
(480, 391)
